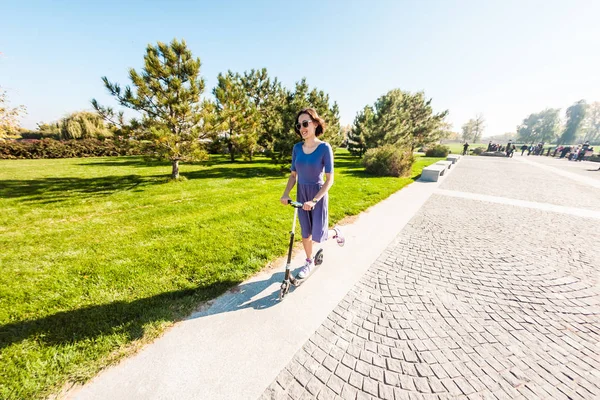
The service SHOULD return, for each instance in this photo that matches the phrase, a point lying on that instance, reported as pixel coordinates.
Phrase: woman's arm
(290, 185)
(326, 186)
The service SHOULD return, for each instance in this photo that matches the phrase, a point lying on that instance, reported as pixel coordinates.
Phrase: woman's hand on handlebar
(285, 200)
(309, 205)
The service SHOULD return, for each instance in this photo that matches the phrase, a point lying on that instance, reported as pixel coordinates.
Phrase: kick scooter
(289, 280)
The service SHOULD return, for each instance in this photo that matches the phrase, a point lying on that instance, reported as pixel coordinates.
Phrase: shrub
(83, 125)
(388, 160)
(49, 148)
(437, 151)
(478, 150)
(31, 135)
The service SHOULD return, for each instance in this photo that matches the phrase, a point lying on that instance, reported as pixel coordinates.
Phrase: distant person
(465, 148)
(508, 148)
(489, 146)
(523, 148)
(556, 150)
(541, 149)
(583, 151)
(511, 151)
(574, 154)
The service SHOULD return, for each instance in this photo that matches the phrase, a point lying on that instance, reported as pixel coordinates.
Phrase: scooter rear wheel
(319, 257)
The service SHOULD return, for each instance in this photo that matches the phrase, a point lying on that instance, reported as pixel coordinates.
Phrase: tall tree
(402, 118)
(267, 95)
(539, 127)
(526, 129)
(9, 116)
(467, 130)
(575, 117)
(361, 130)
(592, 123)
(238, 116)
(478, 127)
(548, 125)
(424, 126)
(167, 93)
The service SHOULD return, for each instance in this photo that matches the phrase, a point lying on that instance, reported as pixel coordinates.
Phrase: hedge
(50, 148)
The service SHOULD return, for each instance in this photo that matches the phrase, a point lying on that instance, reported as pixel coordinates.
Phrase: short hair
(315, 117)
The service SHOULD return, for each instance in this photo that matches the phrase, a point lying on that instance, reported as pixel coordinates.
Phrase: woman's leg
(308, 245)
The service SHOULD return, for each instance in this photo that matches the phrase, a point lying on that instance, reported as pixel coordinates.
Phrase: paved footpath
(491, 291)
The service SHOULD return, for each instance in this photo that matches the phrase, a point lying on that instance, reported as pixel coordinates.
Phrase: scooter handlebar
(295, 204)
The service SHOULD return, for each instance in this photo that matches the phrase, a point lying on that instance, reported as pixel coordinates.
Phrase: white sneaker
(305, 271)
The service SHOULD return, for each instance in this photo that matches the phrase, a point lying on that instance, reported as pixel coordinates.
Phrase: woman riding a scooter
(311, 159)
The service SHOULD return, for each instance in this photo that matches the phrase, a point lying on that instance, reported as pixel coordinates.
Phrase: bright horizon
(505, 60)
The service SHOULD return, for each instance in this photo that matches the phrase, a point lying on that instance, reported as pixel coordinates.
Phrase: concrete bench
(433, 172)
(447, 164)
(453, 157)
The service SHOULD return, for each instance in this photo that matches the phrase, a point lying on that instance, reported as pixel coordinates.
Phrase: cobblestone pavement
(472, 300)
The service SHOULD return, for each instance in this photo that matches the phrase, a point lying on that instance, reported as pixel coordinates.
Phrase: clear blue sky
(504, 59)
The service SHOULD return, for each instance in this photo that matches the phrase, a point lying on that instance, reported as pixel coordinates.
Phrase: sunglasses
(304, 124)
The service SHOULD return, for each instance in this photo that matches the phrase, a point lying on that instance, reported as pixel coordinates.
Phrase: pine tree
(267, 96)
(401, 119)
(167, 94)
(238, 117)
(360, 132)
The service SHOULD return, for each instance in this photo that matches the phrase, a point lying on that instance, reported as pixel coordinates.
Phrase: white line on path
(576, 177)
(580, 212)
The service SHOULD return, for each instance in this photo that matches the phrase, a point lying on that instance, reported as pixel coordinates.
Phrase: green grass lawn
(100, 255)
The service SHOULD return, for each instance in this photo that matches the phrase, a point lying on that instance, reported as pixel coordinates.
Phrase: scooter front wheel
(285, 288)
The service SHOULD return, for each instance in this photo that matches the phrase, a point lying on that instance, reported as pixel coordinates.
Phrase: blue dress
(310, 169)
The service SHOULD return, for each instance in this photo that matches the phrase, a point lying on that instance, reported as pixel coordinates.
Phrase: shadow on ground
(129, 318)
(240, 297)
(52, 190)
(123, 317)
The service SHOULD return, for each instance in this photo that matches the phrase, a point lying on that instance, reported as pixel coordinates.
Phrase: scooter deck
(295, 282)
(318, 261)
